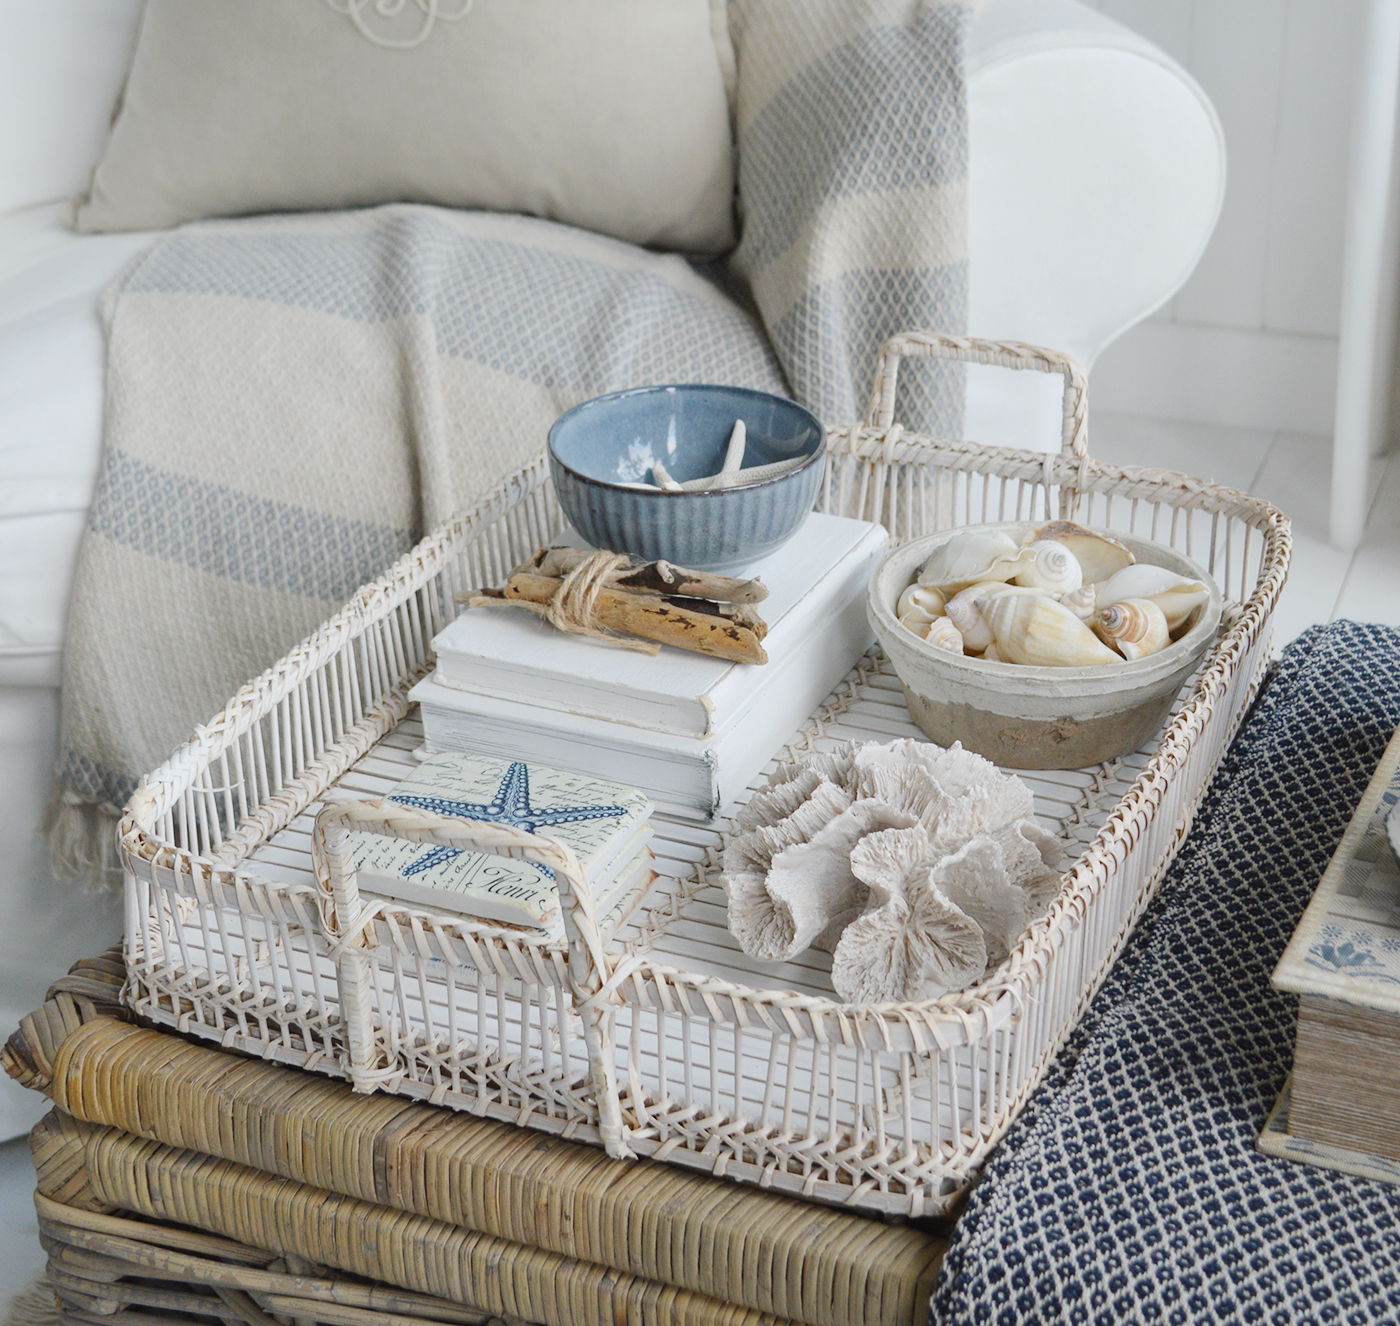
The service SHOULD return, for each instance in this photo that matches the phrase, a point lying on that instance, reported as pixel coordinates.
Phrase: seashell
(1052, 567)
(1177, 596)
(912, 942)
(1082, 602)
(967, 558)
(942, 634)
(1098, 555)
(919, 627)
(1135, 627)
(991, 654)
(962, 611)
(1036, 630)
(921, 598)
(967, 621)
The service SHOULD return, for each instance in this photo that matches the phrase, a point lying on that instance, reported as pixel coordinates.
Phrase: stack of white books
(690, 731)
(604, 823)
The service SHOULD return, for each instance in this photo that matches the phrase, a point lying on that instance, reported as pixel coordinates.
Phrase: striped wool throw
(293, 400)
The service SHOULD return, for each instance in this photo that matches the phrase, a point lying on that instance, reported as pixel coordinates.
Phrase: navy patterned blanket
(1130, 1190)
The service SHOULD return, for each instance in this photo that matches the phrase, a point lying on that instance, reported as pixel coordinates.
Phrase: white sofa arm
(1096, 173)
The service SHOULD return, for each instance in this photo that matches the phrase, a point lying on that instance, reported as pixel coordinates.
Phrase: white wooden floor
(1289, 469)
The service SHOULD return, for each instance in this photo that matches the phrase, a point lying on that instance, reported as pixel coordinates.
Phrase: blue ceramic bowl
(600, 447)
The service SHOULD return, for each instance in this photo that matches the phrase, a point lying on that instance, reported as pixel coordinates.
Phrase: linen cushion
(606, 114)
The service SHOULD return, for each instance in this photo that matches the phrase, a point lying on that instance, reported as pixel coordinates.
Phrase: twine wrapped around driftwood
(574, 604)
(593, 600)
(654, 578)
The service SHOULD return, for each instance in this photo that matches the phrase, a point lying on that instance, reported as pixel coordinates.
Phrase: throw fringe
(35, 1306)
(82, 841)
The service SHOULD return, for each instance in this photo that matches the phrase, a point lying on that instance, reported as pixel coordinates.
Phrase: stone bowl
(601, 453)
(1034, 717)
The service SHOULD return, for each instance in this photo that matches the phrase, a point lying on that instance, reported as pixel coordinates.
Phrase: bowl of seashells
(1046, 646)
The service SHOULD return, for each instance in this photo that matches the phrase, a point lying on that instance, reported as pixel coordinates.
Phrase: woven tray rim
(948, 1020)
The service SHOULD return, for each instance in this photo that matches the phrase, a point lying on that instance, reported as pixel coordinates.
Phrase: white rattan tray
(668, 1042)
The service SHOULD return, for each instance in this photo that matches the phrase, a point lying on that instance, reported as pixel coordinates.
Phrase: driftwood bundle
(607, 595)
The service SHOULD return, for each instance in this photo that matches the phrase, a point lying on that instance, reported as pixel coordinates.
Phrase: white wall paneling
(1267, 293)
(1308, 185)
(1237, 56)
(1367, 312)
(1219, 375)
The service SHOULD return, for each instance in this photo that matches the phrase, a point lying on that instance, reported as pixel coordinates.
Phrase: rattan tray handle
(1074, 440)
(348, 924)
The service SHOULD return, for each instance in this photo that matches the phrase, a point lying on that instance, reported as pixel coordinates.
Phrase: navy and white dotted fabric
(1131, 1190)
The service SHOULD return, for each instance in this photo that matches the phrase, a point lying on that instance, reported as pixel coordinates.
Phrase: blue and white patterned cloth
(1130, 1190)
(293, 400)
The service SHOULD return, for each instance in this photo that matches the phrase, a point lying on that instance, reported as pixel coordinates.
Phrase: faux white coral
(917, 866)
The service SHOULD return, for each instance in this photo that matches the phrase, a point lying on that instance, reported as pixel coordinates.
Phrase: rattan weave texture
(665, 1043)
(464, 1210)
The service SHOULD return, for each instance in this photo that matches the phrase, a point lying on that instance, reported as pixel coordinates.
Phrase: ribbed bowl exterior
(707, 531)
(710, 531)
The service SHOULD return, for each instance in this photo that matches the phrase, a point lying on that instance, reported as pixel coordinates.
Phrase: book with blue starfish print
(604, 823)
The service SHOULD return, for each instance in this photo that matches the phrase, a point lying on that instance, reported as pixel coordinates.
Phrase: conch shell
(1098, 555)
(1052, 567)
(969, 557)
(1082, 602)
(1135, 627)
(962, 611)
(1037, 631)
(1177, 596)
(921, 599)
(942, 634)
(919, 607)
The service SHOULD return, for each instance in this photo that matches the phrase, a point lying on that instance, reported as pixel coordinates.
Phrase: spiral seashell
(1098, 555)
(962, 611)
(991, 654)
(1082, 602)
(1035, 630)
(918, 624)
(1177, 596)
(967, 620)
(1135, 627)
(1052, 567)
(922, 598)
(942, 634)
(968, 558)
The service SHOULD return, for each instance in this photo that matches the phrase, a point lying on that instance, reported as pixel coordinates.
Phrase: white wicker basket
(667, 1042)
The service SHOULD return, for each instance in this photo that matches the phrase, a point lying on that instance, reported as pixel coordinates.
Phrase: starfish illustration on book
(510, 805)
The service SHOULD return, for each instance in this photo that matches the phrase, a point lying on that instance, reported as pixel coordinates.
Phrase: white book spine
(685, 776)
